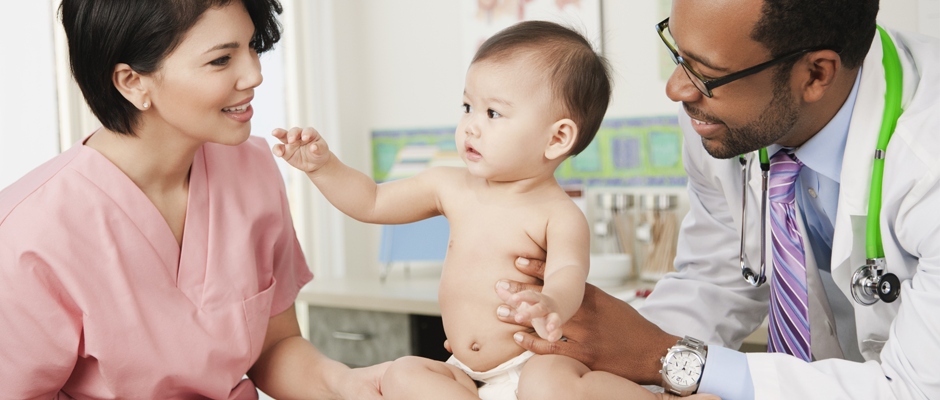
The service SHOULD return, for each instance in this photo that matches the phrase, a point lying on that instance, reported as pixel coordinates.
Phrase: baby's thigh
(551, 377)
(413, 377)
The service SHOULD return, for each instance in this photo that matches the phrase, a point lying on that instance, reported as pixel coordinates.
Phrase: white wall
(28, 111)
(399, 65)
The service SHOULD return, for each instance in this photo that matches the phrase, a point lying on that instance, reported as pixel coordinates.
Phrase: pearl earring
(146, 105)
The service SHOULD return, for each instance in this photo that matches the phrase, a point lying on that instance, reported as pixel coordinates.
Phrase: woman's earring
(146, 105)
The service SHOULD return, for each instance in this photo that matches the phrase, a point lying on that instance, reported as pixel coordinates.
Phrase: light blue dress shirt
(726, 373)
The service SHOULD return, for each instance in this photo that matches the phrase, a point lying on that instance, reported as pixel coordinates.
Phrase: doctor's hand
(537, 309)
(606, 334)
(303, 149)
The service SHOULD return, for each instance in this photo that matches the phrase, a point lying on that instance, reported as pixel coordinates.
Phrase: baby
(535, 94)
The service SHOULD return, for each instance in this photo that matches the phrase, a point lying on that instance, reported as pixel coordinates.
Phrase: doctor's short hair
(141, 34)
(790, 25)
(579, 77)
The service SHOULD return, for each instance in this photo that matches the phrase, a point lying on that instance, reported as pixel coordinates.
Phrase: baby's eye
(493, 113)
(221, 61)
(466, 108)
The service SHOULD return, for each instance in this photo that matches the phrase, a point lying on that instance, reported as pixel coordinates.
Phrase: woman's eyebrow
(230, 45)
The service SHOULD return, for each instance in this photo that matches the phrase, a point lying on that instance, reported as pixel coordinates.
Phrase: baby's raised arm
(566, 269)
(354, 193)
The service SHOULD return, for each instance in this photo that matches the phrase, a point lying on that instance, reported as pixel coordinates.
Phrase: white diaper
(499, 383)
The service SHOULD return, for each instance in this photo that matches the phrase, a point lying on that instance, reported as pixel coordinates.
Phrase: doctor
(818, 109)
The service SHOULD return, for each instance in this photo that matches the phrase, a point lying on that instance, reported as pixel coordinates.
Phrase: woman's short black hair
(141, 34)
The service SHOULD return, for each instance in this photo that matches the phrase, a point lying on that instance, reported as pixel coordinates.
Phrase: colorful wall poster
(483, 18)
(643, 151)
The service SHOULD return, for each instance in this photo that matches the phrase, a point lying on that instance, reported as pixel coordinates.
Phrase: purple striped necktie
(788, 331)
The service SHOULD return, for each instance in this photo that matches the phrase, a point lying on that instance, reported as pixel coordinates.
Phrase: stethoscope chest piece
(870, 284)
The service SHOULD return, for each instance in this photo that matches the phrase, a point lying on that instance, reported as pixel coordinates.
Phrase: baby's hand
(292, 148)
(540, 310)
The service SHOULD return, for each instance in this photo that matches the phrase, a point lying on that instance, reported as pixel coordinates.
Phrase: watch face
(684, 369)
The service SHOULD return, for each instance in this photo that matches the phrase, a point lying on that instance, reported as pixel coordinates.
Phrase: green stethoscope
(870, 283)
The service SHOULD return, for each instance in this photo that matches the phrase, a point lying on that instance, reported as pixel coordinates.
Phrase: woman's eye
(467, 109)
(493, 114)
(221, 61)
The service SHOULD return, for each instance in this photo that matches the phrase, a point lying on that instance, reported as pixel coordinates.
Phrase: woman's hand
(303, 149)
(363, 383)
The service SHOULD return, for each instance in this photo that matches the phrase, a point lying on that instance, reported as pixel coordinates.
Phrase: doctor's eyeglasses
(706, 85)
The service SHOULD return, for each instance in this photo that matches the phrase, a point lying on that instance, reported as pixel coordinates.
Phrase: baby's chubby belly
(468, 301)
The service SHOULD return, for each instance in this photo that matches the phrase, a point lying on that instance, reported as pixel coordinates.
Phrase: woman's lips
(241, 113)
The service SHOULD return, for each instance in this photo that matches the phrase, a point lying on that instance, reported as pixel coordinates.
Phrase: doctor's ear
(819, 71)
(564, 137)
(131, 85)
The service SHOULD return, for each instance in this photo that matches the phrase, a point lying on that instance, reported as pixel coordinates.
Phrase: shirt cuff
(726, 374)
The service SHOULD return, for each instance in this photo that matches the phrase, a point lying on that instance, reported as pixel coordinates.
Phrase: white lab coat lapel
(848, 244)
(848, 247)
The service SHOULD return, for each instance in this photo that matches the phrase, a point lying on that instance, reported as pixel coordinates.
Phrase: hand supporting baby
(540, 310)
(293, 142)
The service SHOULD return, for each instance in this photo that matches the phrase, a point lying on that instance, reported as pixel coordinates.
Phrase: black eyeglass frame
(711, 84)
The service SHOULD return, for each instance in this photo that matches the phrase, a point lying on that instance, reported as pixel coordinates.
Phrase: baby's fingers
(527, 296)
(280, 134)
(293, 135)
(309, 134)
(278, 150)
(553, 327)
(528, 312)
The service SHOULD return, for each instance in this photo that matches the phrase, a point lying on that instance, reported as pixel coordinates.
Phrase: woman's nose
(251, 76)
(680, 88)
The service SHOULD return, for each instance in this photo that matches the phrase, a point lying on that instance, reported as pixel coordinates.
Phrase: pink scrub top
(97, 300)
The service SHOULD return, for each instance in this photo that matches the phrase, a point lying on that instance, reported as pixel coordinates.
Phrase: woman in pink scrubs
(157, 258)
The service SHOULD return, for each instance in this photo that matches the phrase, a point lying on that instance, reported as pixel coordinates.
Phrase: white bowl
(609, 270)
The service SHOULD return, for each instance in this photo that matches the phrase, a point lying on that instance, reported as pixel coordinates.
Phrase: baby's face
(507, 120)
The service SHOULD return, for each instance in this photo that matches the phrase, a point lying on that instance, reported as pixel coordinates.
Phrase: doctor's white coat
(708, 298)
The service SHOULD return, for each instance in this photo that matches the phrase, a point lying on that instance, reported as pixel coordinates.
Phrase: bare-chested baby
(535, 94)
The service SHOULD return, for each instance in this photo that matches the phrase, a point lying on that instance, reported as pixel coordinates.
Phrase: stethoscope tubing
(874, 248)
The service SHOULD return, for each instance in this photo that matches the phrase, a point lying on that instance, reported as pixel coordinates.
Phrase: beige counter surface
(417, 295)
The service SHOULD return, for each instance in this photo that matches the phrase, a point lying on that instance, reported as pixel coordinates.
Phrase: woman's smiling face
(204, 87)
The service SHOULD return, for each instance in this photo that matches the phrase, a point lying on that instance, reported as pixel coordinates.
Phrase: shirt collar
(824, 151)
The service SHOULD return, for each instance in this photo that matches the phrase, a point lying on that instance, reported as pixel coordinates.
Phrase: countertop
(414, 295)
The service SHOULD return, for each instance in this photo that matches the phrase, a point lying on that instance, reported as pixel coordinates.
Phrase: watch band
(686, 344)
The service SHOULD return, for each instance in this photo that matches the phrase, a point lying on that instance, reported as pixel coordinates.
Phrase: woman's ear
(564, 137)
(129, 83)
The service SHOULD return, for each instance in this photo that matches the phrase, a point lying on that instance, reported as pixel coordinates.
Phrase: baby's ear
(564, 137)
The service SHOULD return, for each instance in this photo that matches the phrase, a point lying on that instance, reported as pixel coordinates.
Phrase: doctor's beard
(774, 123)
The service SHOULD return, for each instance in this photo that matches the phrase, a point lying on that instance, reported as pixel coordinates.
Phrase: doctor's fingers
(507, 314)
(531, 267)
(538, 345)
(506, 288)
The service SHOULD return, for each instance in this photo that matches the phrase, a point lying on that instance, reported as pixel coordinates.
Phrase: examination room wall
(399, 65)
(392, 64)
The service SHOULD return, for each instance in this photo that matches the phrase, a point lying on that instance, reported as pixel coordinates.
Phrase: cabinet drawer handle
(350, 336)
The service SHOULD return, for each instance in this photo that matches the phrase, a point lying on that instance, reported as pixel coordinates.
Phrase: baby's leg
(421, 378)
(558, 377)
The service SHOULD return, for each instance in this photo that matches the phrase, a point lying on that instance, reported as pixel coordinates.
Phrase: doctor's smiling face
(715, 38)
(203, 89)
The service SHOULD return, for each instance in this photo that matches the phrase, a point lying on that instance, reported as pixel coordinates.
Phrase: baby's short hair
(580, 79)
